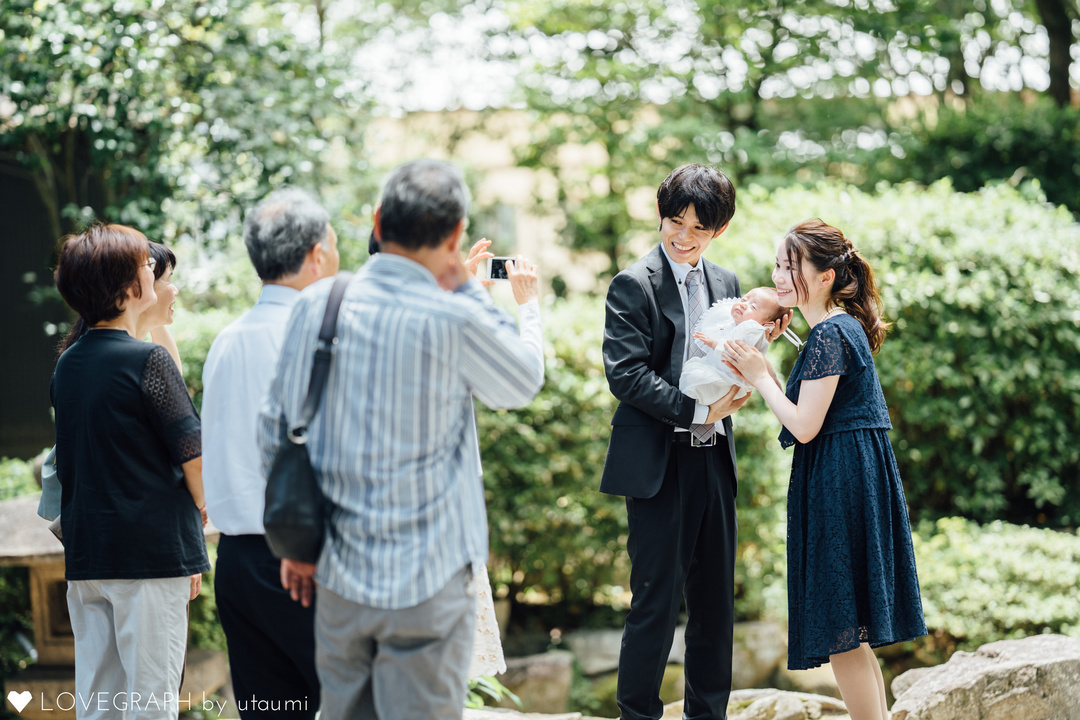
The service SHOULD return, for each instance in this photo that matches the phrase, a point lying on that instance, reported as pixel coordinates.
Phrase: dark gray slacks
(271, 637)
(682, 542)
(377, 664)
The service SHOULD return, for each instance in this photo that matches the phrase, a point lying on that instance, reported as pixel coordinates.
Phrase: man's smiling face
(684, 237)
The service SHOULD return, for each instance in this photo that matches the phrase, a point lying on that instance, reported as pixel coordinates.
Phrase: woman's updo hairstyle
(96, 269)
(854, 288)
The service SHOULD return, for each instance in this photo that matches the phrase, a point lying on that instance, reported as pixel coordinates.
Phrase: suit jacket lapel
(671, 305)
(718, 290)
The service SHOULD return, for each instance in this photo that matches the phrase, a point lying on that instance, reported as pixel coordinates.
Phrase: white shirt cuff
(701, 413)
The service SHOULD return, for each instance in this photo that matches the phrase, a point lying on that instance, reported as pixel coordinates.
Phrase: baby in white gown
(749, 318)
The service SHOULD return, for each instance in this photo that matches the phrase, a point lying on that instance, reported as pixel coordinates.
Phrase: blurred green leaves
(172, 117)
(997, 581)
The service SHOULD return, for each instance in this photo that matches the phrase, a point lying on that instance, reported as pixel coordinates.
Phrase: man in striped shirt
(394, 447)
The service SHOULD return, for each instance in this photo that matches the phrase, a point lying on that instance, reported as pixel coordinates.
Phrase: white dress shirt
(236, 378)
(681, 270)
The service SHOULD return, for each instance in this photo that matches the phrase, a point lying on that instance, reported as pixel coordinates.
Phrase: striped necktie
(695, 308)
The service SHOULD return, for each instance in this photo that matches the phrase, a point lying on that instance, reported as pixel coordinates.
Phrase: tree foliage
(168, 116)
(992, 138)
(774, 91)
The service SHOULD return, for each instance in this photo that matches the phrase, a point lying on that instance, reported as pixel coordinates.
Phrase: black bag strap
(324, 352)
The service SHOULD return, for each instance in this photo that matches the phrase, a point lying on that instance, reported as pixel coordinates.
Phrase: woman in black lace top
(129, 463)
(852, 584)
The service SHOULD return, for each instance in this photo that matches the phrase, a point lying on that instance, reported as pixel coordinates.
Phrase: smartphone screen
(497, 268)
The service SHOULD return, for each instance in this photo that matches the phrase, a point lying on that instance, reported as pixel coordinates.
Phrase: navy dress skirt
(851, 566)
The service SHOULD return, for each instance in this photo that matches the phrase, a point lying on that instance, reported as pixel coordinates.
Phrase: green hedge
(998, 581)
(16, 478)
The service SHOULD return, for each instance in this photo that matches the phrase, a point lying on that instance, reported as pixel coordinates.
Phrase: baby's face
(755, 305)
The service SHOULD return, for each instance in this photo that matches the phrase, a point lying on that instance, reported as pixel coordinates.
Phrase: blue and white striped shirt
(393, 443)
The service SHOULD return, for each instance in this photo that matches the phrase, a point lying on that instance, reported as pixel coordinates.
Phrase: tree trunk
(1058, 24)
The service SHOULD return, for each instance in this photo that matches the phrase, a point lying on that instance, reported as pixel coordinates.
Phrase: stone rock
(774, 705)
(506, 714)
(678, 647)
(758, 649)
(819, 680)
(1037, 677)
(905, 680)
(541, 681)
(597, 651)
(771, 704)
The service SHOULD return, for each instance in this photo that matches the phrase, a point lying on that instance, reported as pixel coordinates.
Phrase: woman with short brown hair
(129, 463)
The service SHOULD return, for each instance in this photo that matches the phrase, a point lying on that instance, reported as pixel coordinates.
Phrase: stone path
(744, 705)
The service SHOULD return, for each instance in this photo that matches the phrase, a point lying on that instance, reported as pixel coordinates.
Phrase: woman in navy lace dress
(852, 584)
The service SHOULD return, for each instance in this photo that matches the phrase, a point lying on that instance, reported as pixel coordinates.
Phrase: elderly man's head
(289, 238)
(424, 203)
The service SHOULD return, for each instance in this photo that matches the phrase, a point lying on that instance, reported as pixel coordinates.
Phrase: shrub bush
(194, 334)
(998, 581)
(17, 478)
(981, 369)
(996, 138)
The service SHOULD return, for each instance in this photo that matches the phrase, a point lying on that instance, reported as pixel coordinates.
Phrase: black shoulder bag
(294, 517)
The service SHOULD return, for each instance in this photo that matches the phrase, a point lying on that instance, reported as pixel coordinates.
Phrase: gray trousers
(130, 640)
(407, 664)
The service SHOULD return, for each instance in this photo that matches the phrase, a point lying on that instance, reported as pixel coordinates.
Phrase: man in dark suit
(672, 459)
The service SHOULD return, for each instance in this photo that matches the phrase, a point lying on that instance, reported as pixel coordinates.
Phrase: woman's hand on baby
(746, 360)
(710, 341)
(777, 327)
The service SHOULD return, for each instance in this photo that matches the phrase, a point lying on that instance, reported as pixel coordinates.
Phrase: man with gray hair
(271, 638)
(394, 447)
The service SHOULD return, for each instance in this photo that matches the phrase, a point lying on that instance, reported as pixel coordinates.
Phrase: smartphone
(496, 268)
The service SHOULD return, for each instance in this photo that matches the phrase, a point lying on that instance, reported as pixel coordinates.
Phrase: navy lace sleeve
(170, 407)
(839, 346)
(828, 352)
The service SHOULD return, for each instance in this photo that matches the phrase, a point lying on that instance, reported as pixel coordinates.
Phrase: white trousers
(130, 641)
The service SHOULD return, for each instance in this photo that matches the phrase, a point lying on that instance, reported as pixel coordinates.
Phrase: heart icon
(19, 700)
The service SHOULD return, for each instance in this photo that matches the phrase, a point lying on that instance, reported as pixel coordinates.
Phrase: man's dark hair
(282, 229)
(422, 203)
(707, 189)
